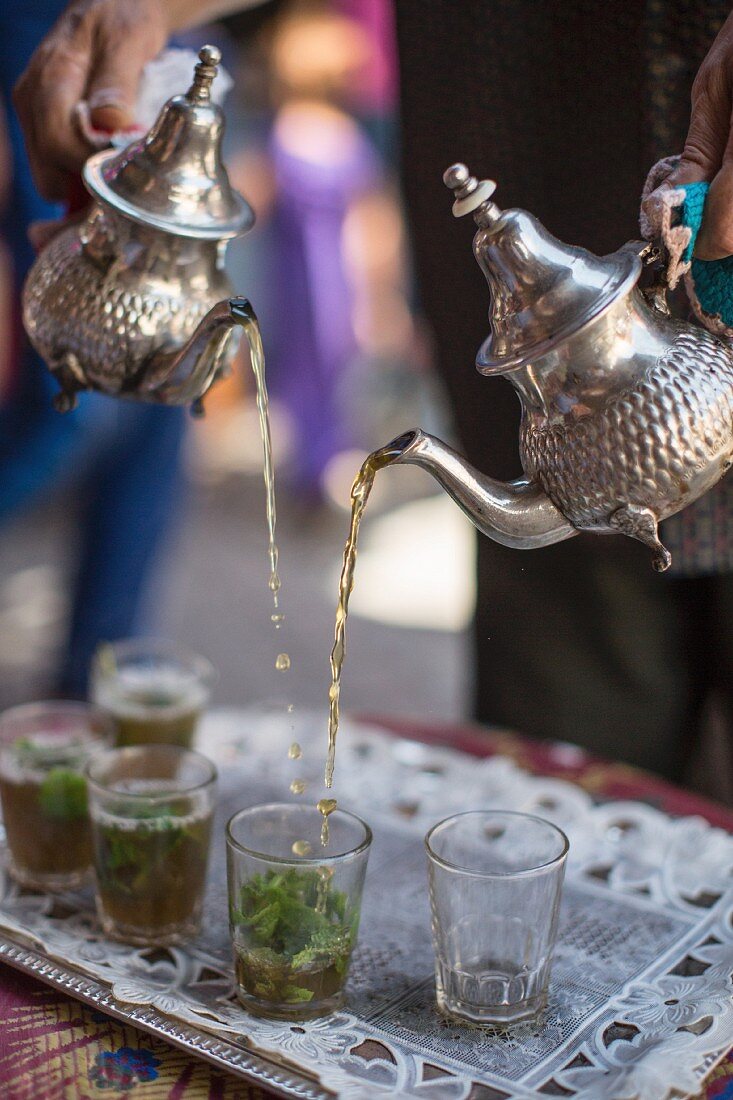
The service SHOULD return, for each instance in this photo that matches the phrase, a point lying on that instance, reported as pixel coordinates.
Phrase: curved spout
(184, 376)
(513, 513)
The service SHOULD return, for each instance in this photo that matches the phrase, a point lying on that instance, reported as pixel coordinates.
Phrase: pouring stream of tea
(257, 358)
(360, 491)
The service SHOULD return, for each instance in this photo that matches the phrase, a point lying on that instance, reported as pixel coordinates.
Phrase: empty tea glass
(154, 692)
(151, 809)
(495, 884)
(44, 748)
(294, 906)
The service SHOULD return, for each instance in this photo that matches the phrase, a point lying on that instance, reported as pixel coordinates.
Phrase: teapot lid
(542, 291)
(173, 178)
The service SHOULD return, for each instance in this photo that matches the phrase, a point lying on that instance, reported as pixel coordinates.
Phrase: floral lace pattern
(641, 1001)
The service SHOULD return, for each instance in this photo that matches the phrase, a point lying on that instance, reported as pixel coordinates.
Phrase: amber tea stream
(257, 360)
(360, 491)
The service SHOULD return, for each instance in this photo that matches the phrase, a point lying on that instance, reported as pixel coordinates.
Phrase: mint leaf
(63, 795)
(294, 922)
(326, 945)
(264, 922)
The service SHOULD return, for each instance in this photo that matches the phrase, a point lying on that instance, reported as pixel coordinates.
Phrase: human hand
(708, 151)
(96, 51)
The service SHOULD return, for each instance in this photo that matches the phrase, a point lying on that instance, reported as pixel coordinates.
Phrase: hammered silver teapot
(134, 300)
(627, 415)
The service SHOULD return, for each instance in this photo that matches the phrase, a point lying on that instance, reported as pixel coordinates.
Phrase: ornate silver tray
(641, 1000)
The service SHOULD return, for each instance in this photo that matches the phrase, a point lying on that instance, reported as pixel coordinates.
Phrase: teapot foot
(64, 401)
(641, 523)
(68, 373)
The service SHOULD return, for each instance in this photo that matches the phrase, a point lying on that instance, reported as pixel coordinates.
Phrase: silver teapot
(134, 301)
(627, 415)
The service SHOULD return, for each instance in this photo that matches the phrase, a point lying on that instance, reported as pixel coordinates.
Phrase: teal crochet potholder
(713, 279)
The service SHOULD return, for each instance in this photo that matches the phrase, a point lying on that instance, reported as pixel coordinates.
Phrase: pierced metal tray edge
(226, 1056)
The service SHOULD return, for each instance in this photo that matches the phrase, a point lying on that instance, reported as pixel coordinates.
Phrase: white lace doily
(641, 1000)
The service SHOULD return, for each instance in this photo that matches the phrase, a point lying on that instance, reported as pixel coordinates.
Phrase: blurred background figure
(121, 462)
(311, 142)
(322, 164)
(334, 257)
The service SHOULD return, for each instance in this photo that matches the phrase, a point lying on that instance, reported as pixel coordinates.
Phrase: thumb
(708, 133)
(114, 79)
(715, 238)
(708, 155)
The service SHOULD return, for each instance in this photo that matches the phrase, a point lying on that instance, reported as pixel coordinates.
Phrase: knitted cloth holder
(674, 214)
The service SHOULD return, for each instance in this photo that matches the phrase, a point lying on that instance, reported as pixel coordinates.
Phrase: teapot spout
(184, 376)
(514, 513)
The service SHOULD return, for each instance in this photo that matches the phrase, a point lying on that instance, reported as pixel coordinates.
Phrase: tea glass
(151, 808)
(44, 748)
(153, 691)
(495, 884)
(294, 918)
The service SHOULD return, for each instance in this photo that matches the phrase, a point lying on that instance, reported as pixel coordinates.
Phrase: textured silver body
(602, 429)
(114, 293)
(627, 415)
(120, 301)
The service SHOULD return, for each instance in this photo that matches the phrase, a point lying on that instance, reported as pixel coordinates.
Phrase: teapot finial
(470, 194)
(203, 74)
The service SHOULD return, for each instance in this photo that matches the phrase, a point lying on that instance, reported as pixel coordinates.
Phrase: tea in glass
(154, 692)
(294, 907)
(151, 808)
(44, 748)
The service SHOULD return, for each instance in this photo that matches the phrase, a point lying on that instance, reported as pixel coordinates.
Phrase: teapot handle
(652, 255)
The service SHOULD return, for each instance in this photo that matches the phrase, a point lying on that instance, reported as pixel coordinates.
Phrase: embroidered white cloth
(641, 1001)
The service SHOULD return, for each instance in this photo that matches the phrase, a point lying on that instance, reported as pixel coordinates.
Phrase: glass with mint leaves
(294, 906)
(44, 748)
(151, 809)
(154, 692)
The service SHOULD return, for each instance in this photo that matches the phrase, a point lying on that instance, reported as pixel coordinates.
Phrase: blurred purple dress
(313, 342)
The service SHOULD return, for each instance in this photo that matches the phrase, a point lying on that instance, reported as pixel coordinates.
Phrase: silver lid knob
(468, 192)
(203, 74)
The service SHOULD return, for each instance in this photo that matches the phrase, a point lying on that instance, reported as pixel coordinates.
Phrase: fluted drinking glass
(495, 884)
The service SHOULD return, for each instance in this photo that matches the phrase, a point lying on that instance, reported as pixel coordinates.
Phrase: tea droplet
(295, 752)
(282, 662)
(325, 807)
(301, 848)
(277, 619)
(297, 786)
(290, 708)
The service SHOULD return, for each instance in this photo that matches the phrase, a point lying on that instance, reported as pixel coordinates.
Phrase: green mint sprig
(292, 922)
(62, 795)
